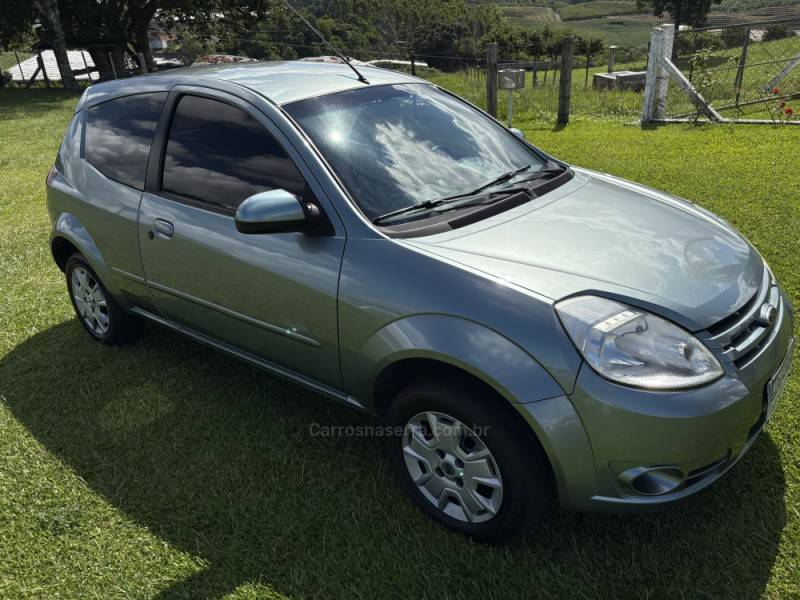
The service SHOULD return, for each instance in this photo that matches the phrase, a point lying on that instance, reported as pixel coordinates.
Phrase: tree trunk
(141, 38)
(101, 62)
(49, 10)
(118, 56)
(142, 46)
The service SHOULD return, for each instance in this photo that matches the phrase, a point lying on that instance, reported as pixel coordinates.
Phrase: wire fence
(747, 71)
(466, 76)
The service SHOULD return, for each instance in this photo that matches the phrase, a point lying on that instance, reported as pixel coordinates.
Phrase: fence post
(612, 58)
(19, 66)
(565, 88)
(40, 62)
(113, 68)
(662, 77)
(653, 57)
(737, 84)
(491, 79)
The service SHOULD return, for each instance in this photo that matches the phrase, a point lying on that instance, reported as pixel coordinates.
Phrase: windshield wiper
(550, 168)
(498, 180)
(431, 204)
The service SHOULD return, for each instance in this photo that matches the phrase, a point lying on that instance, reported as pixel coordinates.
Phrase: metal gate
(739, 73)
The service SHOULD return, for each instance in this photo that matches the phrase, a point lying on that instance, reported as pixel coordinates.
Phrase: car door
(270, 295)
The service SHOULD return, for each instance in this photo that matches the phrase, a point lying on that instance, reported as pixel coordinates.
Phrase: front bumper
(698, 433)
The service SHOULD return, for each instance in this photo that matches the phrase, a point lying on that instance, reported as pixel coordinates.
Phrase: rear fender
(68, 227)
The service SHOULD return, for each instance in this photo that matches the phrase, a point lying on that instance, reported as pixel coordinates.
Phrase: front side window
(219, 155)
(394, 146)
(119, 133)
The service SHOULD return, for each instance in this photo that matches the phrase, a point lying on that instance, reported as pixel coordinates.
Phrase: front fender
(465, 344)
(68, 227)
(508, 369)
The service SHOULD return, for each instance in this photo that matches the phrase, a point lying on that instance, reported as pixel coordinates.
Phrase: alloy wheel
(452, 467)
(90, 302)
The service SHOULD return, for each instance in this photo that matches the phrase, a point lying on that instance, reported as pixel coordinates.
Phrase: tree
(52, 20)
(21, 18)
(683, 12)
(588, 47)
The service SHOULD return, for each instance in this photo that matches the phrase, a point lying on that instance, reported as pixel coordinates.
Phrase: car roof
(281, 82)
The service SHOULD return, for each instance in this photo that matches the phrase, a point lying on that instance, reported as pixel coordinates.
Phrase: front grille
(743, 334)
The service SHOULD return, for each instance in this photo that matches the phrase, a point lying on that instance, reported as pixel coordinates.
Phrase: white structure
(79, 60)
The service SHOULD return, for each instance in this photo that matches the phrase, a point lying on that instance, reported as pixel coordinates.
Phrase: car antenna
(361, 78)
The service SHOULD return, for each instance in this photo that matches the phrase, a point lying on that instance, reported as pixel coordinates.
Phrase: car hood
(601, 234)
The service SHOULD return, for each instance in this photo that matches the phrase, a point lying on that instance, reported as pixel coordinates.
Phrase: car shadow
(224, 462)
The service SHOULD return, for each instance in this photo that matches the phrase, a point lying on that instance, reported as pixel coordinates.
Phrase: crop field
(524, 15)
(598, 8)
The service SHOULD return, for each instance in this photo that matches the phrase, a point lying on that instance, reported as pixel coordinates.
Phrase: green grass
(8, 60)
(536, 104)
(598, 8)
(523, 14)
(168, 470)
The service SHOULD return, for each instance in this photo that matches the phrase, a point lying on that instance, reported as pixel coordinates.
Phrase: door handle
(162, 228)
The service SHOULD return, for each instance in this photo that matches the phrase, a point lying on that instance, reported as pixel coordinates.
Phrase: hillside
(622, 23)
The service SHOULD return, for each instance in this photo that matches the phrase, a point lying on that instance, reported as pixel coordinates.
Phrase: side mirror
(275, 211)
(517, 132)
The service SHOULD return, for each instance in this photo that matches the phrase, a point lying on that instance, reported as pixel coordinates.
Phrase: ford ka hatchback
(525, 328)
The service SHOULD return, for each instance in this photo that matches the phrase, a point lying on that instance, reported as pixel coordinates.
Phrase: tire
(95, 307)
(516, 461)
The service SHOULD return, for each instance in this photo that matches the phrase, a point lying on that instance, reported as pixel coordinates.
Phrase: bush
(733, 37)
(777, 32)
(5, 79)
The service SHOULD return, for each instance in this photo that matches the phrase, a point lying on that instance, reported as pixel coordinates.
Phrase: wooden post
(413, 65)
(491, 79)
(19, 66)
(86, 64)
(612, 58)
(40, 62)
(653, 57)
(662, 77)
(565, 88)
(113, 68)
(737, 83)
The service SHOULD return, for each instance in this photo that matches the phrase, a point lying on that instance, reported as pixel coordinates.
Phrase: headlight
(636, 348)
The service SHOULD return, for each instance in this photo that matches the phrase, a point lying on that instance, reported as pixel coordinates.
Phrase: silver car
(523, 328)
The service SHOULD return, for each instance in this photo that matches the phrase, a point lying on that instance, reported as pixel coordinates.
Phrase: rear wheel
(465, 462)
(96, 309)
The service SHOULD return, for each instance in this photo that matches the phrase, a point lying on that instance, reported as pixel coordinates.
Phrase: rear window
(118, 136)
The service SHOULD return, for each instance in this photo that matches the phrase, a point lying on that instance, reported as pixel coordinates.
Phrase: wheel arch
(435, 345)
(70, 236)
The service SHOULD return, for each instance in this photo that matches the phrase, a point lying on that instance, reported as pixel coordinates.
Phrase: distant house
(160, 39)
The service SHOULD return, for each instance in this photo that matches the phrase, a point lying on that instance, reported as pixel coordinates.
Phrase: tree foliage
(683, 12)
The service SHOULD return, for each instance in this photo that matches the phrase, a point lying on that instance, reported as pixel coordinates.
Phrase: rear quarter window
(119, 133)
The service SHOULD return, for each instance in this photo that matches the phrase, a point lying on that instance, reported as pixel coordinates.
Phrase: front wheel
(467, 463)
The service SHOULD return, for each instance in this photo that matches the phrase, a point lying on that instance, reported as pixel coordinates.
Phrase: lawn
(540, 103)
(168, 470)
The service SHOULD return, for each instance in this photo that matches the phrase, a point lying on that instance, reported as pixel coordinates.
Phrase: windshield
(396, 146)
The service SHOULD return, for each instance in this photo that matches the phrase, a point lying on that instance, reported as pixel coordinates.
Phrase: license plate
(777, 384)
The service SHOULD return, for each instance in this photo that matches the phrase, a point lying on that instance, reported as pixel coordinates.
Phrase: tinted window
(118, 136)
(218, 154)
(398, 145)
